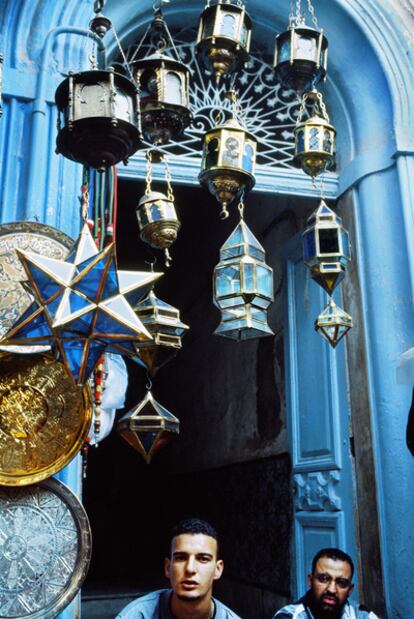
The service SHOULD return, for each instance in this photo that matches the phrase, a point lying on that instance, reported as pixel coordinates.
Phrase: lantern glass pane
(148, 84)
(248, 158)
(327, 141)
(228, 281)
(284, 51)
(258, 314)
(262, 302)
(264, 281)
(249, 278)
(328, 241)
(231, 154)
(212, 153)
(208, 28)
(300, 142)
(94, 99)
(314, 139)
(244, 35)
(305, 48)
(345, 244)
(173, 90)
(228, 26)
(157, 211)
(309, 245)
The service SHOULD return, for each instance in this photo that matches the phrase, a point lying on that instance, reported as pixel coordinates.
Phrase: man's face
(193, 566)
(330, 585)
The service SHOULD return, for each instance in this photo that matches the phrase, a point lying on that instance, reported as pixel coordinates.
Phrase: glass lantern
(223, 39)
(148, 427)
(163, 84)
(326, 247)
(157, 220)
(333, 323)
(227, 167)
(301, 56)
(163, 323)
(243, 286)
(97, 118)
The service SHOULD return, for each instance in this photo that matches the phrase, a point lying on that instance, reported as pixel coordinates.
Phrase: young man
(330, 585)
(192, 568)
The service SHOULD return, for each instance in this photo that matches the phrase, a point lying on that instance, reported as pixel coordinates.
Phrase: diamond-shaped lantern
(326, 247)
(163, 323)
(227, 167)
(97, 118)
(301, 55)
(148, 427)
(314, 138)
(243, 286)
(333, 323)
(223, 39)
(163, 84)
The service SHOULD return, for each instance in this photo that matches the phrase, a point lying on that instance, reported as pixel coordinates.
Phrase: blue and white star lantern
(83, 306)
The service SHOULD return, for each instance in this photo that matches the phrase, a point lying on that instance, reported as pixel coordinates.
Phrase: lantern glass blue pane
(142, 217)
(327, 142)
(248, 158)
(156, 210)
(300, 142)
(309, 245)
(262, 302)
(346, 250)
(305, 47)
(228, 26)
(244, 35)
(249, 278)
(45, 285)
(284, 50)
(258, 314)
(173, 88)
(147, 439)
(328, 241)
(314, 139)
(264, 281)
(208, 25)
(228, 281)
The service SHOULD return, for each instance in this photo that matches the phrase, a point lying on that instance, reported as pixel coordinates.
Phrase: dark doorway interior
(230, 464)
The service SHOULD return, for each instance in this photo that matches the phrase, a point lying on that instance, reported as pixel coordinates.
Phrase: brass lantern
(97, 118)
(314, 137)
(326, 247)
(243, 286)
(223, 39)
(163, 84)
(333, 323)
(227, 167)
(156, 214)
(163, 323)
(148, 427)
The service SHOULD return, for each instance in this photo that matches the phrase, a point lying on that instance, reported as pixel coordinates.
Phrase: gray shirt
(156, 605)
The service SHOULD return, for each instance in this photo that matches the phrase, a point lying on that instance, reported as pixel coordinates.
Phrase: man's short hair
(335, 554)
(193, 526)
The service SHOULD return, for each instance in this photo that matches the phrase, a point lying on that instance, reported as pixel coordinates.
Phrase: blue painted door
(318, 418)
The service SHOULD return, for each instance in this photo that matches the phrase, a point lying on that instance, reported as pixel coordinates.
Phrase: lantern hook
(224, 213)
(148, 384)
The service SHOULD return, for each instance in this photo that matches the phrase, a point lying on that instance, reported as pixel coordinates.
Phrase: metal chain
(148, 176)
(322, 106)
(125, 61)
(312, 14)
(316, 97)
(168, 178)
(241, 208)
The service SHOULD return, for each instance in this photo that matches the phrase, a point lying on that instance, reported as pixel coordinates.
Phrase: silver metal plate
(45, 549)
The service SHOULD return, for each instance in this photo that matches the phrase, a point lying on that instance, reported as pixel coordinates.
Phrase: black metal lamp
(223, 39)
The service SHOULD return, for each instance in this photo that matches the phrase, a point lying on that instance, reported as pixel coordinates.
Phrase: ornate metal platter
(45, 549)
(14, 299)
(44, 418)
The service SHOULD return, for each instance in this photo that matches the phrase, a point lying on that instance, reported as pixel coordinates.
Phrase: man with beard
(330, 585)
(192, 568)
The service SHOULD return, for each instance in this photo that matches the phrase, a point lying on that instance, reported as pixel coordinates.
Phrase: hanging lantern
(156, 214)
(314, 137)
(163, 323)
(333, 323)
(163, 84)
(148, 427)
(301, 52)
(227, 167)
(243, 286)
(326, 247)
(97, 118)
(223, 39)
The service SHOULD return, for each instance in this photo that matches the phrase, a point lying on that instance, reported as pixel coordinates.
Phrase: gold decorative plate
(45, 549)
(44, 418)
(14, 299)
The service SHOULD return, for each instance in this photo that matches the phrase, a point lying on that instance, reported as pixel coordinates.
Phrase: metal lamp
(314, 137)
(148, 427)
(243, 286)
(163, 323)
(227, 167)
(326, 247)
(333, 323)
(223, 39)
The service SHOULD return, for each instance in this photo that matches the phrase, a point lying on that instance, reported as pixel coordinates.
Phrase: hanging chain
(241, 208)
(316, 98)
(168, 178)
(124, 59)
(148, 176)
(312, 14)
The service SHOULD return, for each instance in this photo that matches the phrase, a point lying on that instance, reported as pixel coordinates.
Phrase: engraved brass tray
(45, 549)
(44, 418)
(14, 299)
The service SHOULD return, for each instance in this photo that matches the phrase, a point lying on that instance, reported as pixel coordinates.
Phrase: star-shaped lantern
(83, 306)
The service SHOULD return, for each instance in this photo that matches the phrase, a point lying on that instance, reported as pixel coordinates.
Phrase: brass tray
(45, 549)
(44, 418)
(14, 299)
